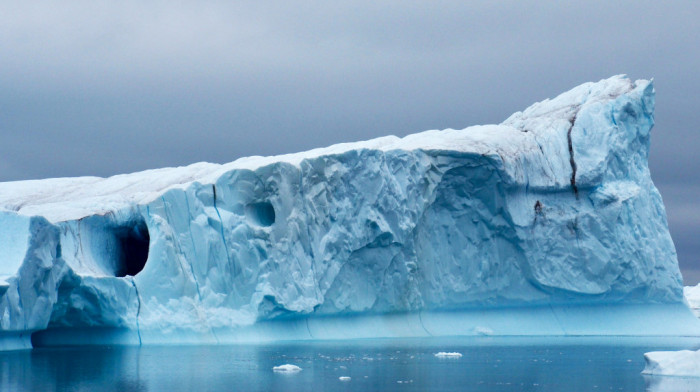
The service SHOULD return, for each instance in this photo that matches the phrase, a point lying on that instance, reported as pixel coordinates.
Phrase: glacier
(546, 224)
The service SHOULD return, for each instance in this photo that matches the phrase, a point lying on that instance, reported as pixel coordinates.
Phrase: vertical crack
(420, 319)
(187, 261)
(308, 329)
(179, 246)
(223, 239)
(556, 317)
(191, 263)
(223, 236)
(302, 193)
(138, 310)
(571, 156)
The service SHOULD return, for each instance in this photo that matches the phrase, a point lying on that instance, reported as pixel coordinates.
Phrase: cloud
(220, 80)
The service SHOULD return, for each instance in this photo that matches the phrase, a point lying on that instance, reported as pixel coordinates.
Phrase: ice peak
(565, 106)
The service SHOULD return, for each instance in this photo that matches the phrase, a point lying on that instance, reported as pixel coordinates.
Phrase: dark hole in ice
(133, 241)
(261, 213)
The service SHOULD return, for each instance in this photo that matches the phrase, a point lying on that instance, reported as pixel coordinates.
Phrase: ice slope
(548, 223)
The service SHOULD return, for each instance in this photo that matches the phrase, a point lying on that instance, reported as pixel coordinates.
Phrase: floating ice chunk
(344, 378)
(443, 354)
(286, 368)
(685, 363)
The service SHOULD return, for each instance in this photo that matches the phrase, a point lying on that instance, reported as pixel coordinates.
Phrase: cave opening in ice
(133, 242)
(261, 213)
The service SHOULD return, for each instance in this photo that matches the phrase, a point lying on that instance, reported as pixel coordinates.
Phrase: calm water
(488, 364)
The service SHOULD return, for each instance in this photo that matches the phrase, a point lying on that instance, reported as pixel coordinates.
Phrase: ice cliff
(533, 226)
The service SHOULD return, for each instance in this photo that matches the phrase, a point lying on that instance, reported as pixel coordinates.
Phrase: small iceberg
(685, 363)
(483, 331)
(442, 354)
(671, 384)
(344, 378)
(286, 368)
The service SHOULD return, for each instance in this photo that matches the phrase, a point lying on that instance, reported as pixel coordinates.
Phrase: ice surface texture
(551, 209)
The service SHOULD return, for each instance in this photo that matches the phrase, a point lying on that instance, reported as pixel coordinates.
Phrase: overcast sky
(100, 88)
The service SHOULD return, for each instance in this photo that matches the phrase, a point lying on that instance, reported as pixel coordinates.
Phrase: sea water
(486, 364)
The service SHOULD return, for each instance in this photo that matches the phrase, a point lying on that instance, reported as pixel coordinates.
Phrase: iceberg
(443, 354)
(546, 224)
(684, 363)
(286, 368)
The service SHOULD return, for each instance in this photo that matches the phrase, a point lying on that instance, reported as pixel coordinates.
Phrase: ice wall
(552, 211)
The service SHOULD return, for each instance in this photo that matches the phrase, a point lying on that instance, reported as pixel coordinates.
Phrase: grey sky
(100, 88)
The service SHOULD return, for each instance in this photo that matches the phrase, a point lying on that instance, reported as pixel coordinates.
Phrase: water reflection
(487, 365)
(671, 384)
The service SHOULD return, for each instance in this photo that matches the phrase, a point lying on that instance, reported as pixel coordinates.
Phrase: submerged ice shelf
(548, 223)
